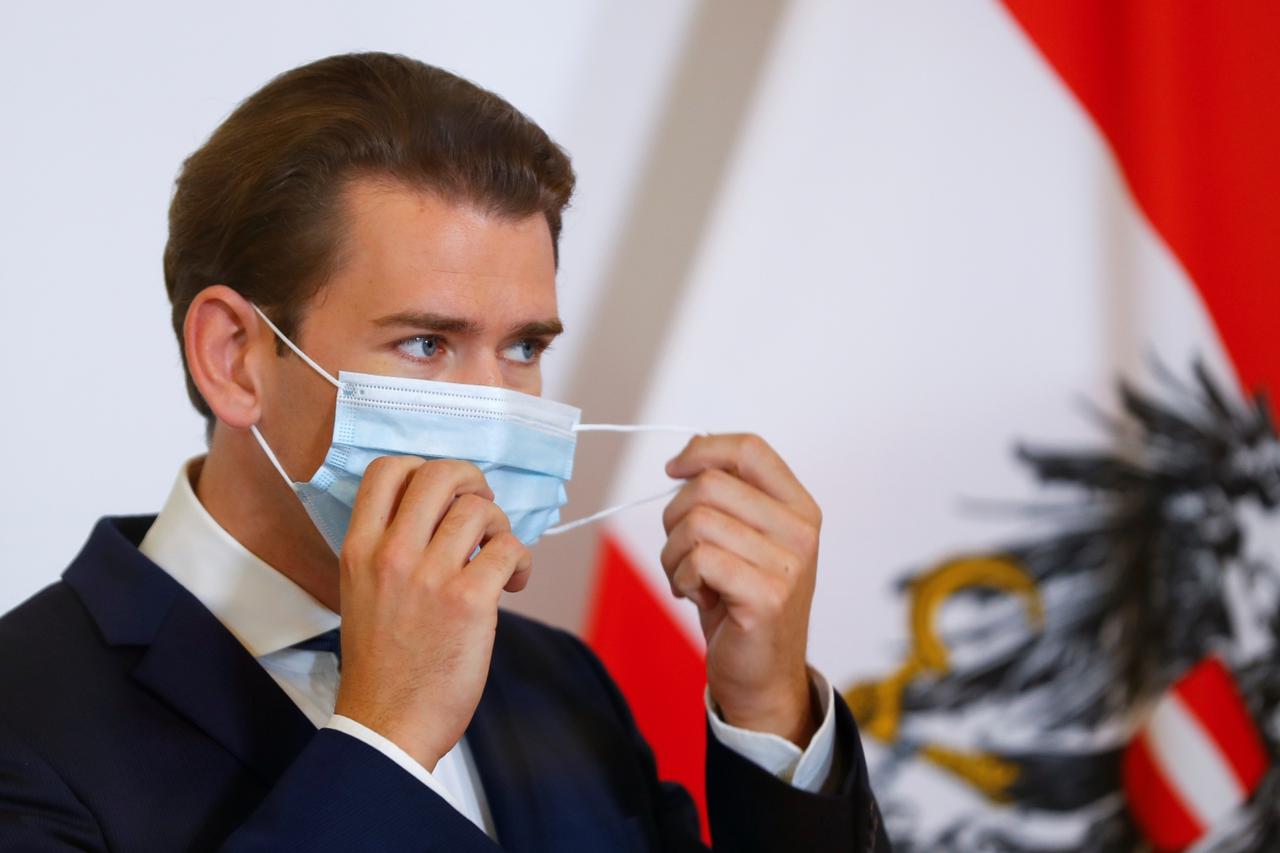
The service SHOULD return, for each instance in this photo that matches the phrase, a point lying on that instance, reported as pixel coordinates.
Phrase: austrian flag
(1197, 758)
(1006, 207)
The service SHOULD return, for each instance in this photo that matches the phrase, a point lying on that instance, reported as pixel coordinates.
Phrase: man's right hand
(418, 618)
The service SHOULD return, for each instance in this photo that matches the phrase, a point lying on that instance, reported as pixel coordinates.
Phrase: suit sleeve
(752, 810)
(341, 794)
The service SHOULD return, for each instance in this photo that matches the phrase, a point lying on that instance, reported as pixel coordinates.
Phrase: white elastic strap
(300, 354)
(266, 448)
(605, 513)
(636, 428)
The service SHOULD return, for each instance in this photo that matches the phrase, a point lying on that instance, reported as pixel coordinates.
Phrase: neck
(246, 496)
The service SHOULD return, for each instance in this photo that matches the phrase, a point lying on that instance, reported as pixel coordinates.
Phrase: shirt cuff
(808, 769)
(363, 733)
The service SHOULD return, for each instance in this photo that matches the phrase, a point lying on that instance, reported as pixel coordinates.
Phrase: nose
(480, 370)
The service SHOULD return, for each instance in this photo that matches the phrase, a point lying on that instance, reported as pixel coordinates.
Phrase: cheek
(320, 430)
(302, 409)
(526, 380)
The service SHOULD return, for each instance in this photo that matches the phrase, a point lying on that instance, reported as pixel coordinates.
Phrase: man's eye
(420, 346)
(526, 351)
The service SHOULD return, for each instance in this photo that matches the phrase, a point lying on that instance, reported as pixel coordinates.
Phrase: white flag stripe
(1192, 763)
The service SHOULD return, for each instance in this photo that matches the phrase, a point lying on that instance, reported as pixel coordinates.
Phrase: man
(183, 688)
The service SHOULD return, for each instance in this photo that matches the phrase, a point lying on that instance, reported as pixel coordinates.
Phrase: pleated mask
(523, 444)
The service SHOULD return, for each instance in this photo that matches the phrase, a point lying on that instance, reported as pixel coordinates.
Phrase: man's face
(424, 289)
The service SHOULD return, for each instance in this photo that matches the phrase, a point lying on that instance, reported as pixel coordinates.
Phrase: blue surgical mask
(523, 444)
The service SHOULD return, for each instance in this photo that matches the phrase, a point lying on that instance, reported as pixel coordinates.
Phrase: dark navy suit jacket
(130, 719)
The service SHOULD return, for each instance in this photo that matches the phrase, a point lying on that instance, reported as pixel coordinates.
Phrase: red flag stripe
(1210, 693)
(1154, 804)
(659, 670)
(1185, 95)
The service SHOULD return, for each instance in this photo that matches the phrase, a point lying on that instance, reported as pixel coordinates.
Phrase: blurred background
(997, 279)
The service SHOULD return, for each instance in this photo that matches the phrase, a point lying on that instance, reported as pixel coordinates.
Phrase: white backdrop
(101, 103)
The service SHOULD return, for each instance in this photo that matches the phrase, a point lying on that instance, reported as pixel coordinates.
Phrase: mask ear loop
(266, 448)
(296, 351)
(608, 511)
(605, 513)
(262, 442)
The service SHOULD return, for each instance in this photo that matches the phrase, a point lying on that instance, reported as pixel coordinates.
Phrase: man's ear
(224, 342)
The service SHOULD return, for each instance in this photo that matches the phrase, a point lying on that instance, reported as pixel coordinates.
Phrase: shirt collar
(265, 610)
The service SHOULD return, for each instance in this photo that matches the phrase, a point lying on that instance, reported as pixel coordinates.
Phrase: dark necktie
(329, 641)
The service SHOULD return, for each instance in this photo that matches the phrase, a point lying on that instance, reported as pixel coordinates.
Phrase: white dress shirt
(268, 614)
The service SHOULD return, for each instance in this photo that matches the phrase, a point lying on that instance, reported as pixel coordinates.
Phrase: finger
(431, 492)
(470, 521)
(737, 498)
(749, 457)
(503, 563)
(709, 576)
(377, 498)
(705, 525)
(686, 581)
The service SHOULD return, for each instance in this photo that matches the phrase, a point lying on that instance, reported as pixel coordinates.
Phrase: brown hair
(257, 206)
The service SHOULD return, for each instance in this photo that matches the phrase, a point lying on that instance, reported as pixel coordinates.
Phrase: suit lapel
(192, 663)
(201, 671)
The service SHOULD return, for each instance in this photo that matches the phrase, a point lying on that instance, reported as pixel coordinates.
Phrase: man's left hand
(742, 545)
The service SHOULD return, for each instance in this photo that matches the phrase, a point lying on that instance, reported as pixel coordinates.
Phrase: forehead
(404, 248)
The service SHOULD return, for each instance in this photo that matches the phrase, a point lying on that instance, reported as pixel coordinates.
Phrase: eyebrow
(427, 321)
(539, 329)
